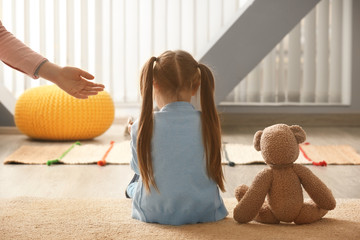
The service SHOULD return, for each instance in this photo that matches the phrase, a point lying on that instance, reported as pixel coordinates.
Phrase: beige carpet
(120, 154)
(34, 218)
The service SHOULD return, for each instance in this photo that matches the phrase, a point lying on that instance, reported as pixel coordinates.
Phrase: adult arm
(72, 80)
(17, 55)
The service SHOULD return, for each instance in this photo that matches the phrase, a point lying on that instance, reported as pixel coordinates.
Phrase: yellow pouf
(48, 113)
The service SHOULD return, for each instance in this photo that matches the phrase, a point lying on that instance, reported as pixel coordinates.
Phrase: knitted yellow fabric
(48, 113)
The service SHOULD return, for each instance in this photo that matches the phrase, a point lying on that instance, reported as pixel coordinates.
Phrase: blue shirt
(187, 195)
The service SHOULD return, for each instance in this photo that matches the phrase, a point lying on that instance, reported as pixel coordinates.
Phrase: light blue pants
(131, 188)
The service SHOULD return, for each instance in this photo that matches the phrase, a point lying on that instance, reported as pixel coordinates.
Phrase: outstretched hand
(73, 81)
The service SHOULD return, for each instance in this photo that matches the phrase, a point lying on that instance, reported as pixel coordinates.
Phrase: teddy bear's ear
(299, 133)
(257, 138)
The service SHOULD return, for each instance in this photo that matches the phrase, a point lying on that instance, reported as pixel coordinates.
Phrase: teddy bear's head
(279, 144)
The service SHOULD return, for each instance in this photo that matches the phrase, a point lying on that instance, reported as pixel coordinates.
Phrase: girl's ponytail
(211, 129)
(146, 124)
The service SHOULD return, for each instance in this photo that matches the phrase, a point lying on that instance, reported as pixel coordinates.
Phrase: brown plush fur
(282, 183)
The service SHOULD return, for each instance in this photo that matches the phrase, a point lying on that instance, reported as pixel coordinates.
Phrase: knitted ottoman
(48, 113)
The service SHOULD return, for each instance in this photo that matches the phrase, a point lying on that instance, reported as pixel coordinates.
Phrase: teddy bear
(282, 182)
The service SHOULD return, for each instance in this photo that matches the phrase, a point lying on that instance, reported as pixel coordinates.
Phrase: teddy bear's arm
(250, 204)
(316, 189)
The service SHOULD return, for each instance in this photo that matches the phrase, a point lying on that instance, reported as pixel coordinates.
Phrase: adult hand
(72, 80)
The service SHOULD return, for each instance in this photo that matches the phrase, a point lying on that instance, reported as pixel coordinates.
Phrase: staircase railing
(310, 66)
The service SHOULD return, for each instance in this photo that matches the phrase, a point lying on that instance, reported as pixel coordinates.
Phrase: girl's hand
(130, 123)
(72, 80)
(127, 130)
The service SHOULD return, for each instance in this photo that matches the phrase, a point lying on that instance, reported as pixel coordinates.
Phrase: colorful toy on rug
(48, 113)
(282, 183)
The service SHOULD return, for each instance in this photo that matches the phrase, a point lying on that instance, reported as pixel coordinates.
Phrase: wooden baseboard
(316, 120)
(264, 120)
(9, 130)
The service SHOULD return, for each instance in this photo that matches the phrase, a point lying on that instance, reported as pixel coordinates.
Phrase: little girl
(176, 152)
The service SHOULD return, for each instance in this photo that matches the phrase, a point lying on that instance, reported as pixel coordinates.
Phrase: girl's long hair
(175, 72)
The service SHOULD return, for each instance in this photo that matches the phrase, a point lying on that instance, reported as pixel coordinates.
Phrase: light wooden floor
(92, 181)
